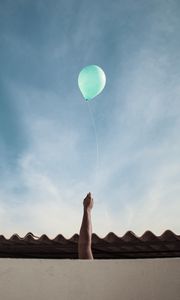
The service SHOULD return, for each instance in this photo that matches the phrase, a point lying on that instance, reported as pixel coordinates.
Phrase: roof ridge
(111, 237)
(169, 235)
(149, 236)
(129, 235)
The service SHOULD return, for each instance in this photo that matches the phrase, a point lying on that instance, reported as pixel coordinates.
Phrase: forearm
(85, 236)
(86, 228)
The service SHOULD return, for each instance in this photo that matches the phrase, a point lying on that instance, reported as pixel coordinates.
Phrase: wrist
(87, 210)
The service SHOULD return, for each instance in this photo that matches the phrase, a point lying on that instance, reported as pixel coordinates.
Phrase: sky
(49, 136)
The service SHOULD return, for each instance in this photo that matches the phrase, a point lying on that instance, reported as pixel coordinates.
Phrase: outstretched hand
(88, 202)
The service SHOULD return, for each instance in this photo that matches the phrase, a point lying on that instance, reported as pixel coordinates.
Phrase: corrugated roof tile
(110, 247)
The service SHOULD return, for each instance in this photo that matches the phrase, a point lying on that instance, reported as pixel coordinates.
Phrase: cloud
(136, 184)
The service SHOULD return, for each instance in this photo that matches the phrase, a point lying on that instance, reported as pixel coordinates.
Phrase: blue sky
(47, 140)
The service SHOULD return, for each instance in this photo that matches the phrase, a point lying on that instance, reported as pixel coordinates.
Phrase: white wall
(150, 279)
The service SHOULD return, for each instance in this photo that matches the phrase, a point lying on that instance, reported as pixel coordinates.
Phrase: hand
(88, 202)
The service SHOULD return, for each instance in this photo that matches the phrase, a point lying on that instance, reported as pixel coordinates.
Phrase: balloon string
(95, 131)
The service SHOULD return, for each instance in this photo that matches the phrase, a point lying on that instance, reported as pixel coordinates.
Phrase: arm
(85, 235)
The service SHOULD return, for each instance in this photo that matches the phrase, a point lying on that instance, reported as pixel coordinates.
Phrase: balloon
(91, 81)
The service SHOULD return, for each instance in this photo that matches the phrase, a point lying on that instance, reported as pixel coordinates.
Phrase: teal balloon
(91, 81)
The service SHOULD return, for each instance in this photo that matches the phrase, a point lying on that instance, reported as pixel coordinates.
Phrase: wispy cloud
(136, 184)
